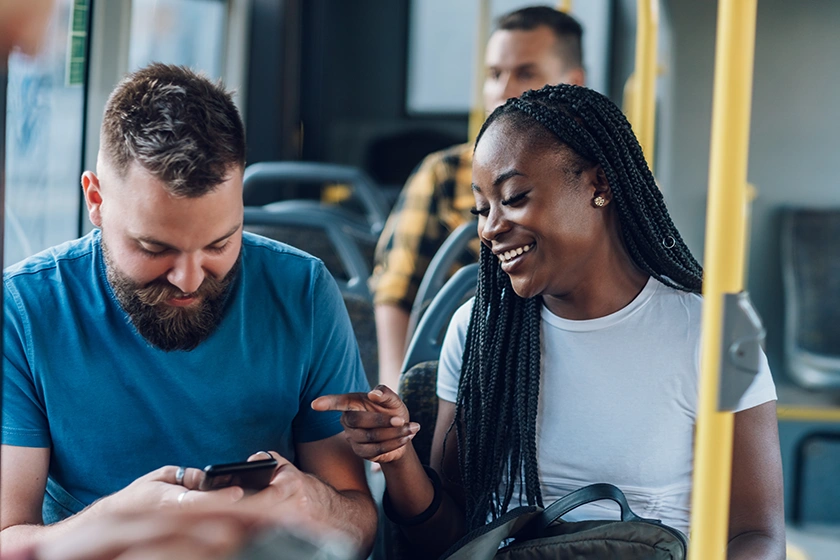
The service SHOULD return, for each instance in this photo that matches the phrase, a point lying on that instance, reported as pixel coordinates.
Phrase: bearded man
(168, 338)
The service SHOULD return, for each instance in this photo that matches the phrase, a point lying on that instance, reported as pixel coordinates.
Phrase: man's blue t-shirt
(81, 380)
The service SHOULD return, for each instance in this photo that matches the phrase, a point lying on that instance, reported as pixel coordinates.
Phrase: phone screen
(248, 475)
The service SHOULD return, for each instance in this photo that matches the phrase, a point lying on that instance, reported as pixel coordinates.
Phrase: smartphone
(248, 475)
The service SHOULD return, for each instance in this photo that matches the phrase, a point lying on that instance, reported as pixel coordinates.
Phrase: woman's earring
(600, 201)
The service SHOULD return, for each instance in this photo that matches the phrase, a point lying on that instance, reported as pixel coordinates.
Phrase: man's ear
(93, 197)
(575, 77)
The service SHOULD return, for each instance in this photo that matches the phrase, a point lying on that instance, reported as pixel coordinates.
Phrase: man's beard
(166, 326)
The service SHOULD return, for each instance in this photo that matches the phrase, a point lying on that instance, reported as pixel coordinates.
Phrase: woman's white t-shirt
(618, 401)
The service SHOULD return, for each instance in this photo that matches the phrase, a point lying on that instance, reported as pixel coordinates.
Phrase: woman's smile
(513, 257)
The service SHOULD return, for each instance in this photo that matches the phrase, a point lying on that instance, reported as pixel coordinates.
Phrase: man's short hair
(176, 124)
(566, 28)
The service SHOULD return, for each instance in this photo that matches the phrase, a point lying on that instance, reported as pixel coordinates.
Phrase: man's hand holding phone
(185, 487)
(291, 494)
(167, 486)
(252, 475)
(267, 483)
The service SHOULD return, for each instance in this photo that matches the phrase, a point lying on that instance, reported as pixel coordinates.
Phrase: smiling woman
(539, 212)
(577, 361)
(558, 171)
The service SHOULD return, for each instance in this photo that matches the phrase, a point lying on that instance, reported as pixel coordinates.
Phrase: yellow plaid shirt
(436, 199)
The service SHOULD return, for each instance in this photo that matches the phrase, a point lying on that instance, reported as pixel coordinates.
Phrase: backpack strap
(483, 543)
(582, 496)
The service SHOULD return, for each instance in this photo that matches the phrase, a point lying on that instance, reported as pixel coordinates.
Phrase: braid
(500, 383)
(498, 395)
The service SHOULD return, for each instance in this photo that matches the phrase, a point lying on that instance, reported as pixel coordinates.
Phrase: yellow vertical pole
(477, 114)
(628, 104)
(565, 6)
(724, 269)
(643, 99)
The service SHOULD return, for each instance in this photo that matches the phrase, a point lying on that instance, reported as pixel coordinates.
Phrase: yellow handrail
(477, 113)
(724, 260)
(808, 414)
(643, 100)
(565, 6)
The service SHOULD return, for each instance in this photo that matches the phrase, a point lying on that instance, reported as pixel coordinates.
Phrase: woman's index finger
(350, 402)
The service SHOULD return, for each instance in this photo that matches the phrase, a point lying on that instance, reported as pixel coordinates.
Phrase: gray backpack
(540, 533)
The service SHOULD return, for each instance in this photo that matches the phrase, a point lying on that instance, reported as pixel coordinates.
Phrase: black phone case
(253, 475)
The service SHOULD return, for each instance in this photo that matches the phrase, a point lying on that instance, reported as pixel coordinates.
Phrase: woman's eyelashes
(511, 201)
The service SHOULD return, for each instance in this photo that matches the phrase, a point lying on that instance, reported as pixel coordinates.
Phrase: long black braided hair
(496, 408)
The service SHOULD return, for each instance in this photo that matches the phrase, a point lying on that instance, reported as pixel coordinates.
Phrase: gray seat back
(360, 310)
(262, 175)
(333, 236)
(811, 271)
(427, 341)
(447, 256)
(328, 233)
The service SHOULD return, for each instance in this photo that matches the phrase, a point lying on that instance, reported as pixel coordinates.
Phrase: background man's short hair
(178, 125)
(566, 28)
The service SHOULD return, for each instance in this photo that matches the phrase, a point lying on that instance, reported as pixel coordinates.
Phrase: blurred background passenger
(530, 47)
(22, 25)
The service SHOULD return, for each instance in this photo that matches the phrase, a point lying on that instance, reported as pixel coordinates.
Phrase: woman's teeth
(507, 255)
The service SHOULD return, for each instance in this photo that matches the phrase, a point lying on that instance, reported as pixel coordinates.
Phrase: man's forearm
(352, 512)
(357, 517)
(16, 537)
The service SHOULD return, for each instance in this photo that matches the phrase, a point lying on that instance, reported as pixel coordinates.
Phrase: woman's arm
(756, 511)
(447, 525)
(378, 428)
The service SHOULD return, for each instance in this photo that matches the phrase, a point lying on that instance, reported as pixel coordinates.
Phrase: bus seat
(427, 340)
(811, 275)
(816, 492)
(360, 310)
(349, 223)
(261, 180)
(418, 390)
(331, 234)
(450, 253)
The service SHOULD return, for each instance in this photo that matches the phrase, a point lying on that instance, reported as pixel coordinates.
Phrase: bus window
(186, 32)
(44, 122)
